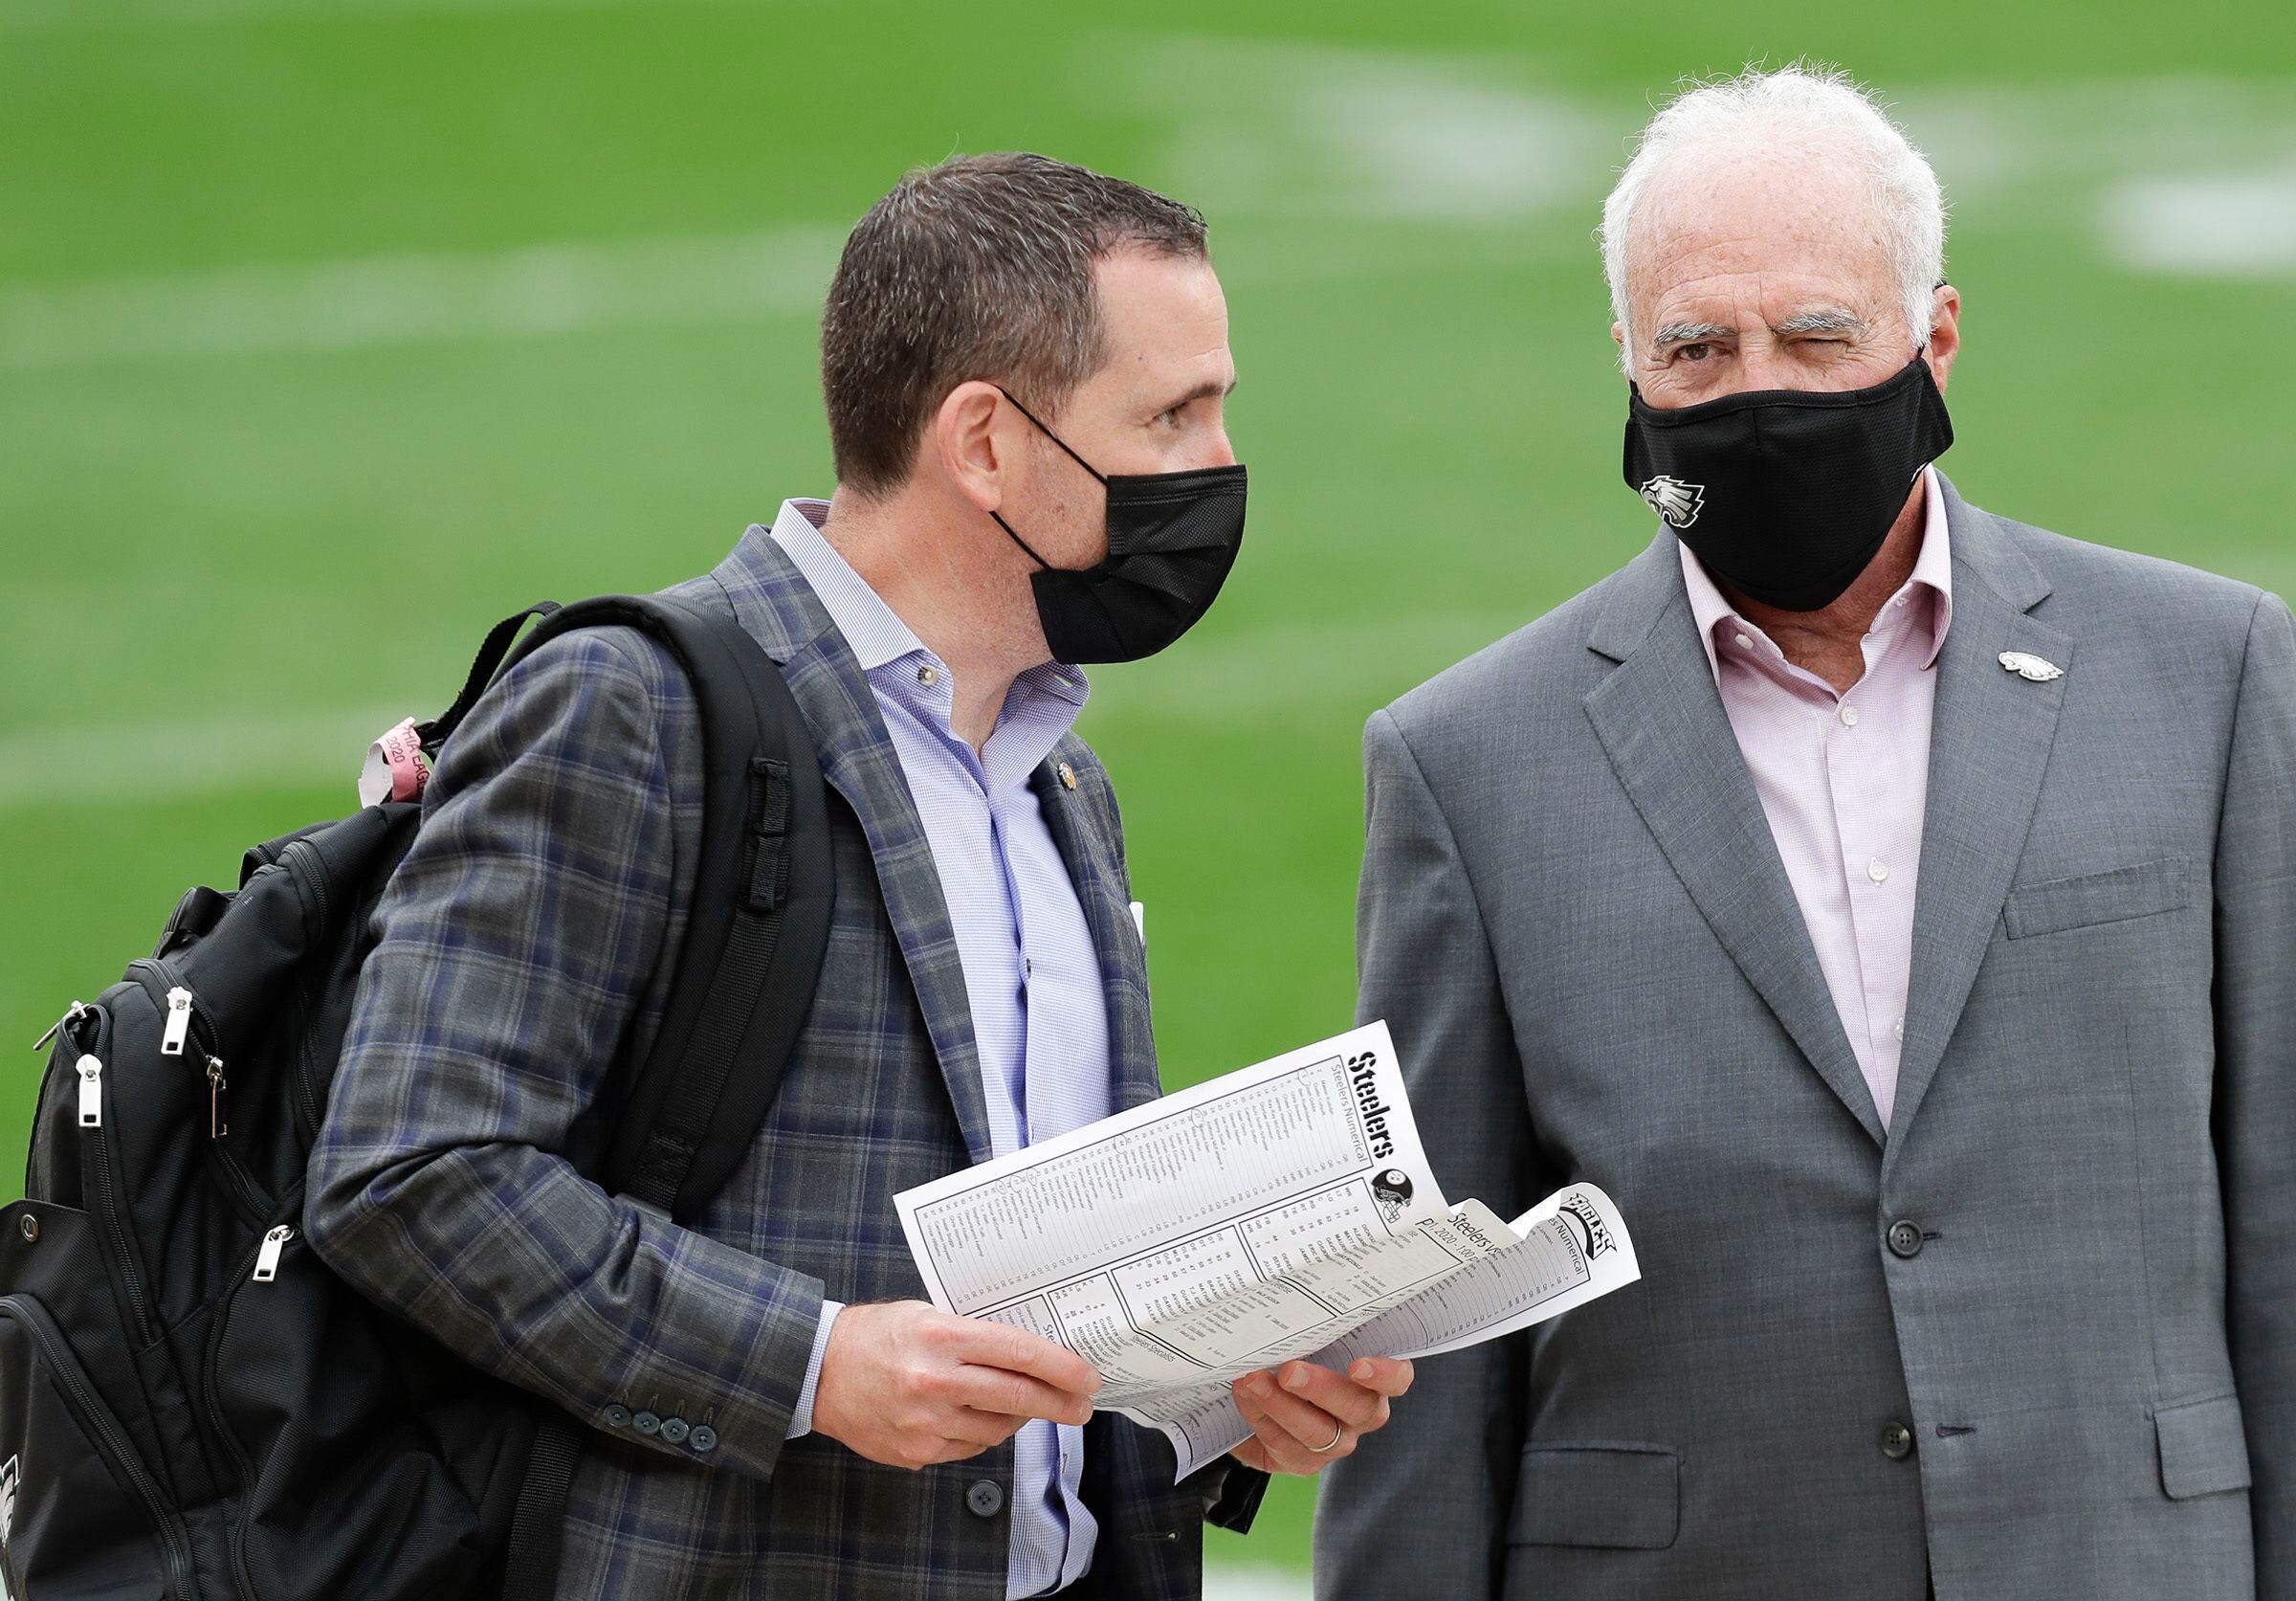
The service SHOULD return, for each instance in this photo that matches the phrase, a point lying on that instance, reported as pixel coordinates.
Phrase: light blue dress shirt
(1040, 1014)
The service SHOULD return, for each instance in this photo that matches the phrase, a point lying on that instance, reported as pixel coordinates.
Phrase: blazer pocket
(1625, 1497)
(2116, 896)
(2203, 1448)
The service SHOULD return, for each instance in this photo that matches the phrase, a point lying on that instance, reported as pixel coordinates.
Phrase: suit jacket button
(704, 1438)
(1897, 1442)
(1905, 1239)
(985, 1499)
(617, 1418)
(648, 1423)
(675, 1430)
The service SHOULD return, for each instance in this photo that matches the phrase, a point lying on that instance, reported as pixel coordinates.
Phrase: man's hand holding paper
(1276, 1227)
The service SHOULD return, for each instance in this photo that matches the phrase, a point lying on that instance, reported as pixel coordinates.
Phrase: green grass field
(331, 331)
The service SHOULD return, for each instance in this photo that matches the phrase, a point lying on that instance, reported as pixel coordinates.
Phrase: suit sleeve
(2256, 1077)
(514, 947)
(1448, 1457)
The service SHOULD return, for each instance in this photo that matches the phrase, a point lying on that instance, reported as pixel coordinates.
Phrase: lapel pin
(1067, 774)
(2026, 665)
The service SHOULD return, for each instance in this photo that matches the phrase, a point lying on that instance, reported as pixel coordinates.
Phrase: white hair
(1818, 110)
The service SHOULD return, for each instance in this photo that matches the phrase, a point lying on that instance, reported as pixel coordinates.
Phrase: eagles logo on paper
(1675, 501)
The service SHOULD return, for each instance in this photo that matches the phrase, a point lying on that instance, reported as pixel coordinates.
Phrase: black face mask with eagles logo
(1787, 494)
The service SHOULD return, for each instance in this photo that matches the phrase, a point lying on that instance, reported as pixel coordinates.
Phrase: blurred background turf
(330, 331)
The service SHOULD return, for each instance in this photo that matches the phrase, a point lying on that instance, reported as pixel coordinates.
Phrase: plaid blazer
(524, 953)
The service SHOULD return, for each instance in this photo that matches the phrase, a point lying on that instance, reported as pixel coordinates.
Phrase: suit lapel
(1661, 722)
(1989, 749)
(1090, 861)
(773, 602)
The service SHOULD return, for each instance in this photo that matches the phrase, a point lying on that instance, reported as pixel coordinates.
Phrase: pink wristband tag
(395, 768)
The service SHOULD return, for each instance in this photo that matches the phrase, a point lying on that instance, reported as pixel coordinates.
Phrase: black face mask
(1172, 538)
(1787, 494)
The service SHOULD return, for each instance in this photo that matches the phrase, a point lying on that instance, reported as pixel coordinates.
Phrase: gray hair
(1815, 108)
(981, 268)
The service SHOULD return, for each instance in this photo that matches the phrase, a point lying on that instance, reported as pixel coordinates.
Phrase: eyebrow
(1691, 333)
(1823, 320)
(1206, 391)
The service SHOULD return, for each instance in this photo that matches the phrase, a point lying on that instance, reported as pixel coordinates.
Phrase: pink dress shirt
(1845, 782)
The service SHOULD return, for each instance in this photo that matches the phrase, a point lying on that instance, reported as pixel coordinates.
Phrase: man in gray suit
(1967, 1218)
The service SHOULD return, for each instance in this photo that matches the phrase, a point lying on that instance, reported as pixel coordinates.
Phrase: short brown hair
(980, 267)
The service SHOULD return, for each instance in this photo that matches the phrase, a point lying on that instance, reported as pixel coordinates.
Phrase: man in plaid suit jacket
(775, 1412)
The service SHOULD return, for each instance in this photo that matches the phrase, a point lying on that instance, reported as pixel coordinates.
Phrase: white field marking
(2065, 140)
(174, 759)
(392, 299)
(80, 15)
(1277, 128)
(532, 292)
(1310, 667)
(1254, 1584)
(2166, 167)
(2207, 225)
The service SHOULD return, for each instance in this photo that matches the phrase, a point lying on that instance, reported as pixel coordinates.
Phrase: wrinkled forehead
(1722, 224)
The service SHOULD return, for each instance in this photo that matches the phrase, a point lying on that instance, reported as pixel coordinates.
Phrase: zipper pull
(72, 1015)
(91, 1093)
(216, 1088)
(267, 1260)
(178, 1021)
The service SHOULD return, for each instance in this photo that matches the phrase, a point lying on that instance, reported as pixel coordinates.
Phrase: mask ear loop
(1049, 434)
(1070, 453)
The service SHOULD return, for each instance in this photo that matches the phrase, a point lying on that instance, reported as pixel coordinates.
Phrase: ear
(969, 439)
(1945, 333)
(1617, 336)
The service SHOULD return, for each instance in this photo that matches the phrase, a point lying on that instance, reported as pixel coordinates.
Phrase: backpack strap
(757, 927)
(433, 733)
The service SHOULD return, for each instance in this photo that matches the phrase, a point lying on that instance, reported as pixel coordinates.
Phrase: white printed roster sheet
(1284, 1211)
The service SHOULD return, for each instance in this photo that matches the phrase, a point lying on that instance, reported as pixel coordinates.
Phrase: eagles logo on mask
(1675, 501)
(1787, 494)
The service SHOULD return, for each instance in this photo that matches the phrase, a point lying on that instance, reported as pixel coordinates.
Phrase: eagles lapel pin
(2026, 665)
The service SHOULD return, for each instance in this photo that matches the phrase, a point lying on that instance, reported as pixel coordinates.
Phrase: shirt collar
(874, 632)
(1933, 574)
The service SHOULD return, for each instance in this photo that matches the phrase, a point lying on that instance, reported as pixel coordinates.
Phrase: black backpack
(191, 1406)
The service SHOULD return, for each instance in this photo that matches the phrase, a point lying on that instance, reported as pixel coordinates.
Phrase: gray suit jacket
(1575, 920)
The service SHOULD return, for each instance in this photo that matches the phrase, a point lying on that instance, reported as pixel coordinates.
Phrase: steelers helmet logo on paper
(1391, 1190)
(1675, 501)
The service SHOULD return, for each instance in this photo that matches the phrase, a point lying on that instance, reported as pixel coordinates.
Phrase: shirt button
(985, 1499)
(928, 676)
(1898, 1029)
(1905, 1239)
(1849, 715)
(1897, 1442)
(1745, 642)
(1878, 871)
